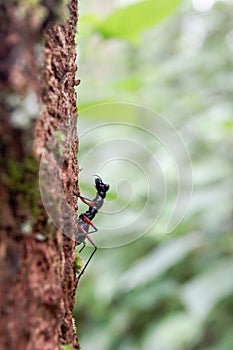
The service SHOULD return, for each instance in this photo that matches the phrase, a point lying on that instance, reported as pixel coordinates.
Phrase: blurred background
(146, 288)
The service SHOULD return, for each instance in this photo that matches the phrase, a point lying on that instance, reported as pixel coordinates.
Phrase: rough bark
(36, 261)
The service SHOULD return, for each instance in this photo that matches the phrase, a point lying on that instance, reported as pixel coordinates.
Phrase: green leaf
(129, 21)
(203, 292)
(228, 125)
(161, 259)
(225, 344)
(111, 112)
(175, 331)
(93, 103)
(131, 83)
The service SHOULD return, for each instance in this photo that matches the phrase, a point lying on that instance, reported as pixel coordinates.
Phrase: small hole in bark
(65, 164)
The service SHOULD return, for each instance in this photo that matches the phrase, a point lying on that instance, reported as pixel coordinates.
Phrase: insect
(85, 219)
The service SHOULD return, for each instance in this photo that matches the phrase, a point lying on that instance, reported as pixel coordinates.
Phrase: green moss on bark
(20, 180)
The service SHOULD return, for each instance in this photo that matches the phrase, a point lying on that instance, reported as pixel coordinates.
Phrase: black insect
(85, 219)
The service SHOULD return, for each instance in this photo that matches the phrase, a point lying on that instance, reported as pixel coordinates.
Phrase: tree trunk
(37, 275)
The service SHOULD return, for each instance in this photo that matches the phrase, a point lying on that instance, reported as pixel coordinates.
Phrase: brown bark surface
(37, 277)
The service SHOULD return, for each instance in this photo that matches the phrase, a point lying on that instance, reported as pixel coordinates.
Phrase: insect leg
(84, 245)
(89, 222)
(90, 257)
(87, 201)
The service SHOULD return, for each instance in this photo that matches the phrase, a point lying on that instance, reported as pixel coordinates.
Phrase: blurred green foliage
(165, 292)
(128, 22)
